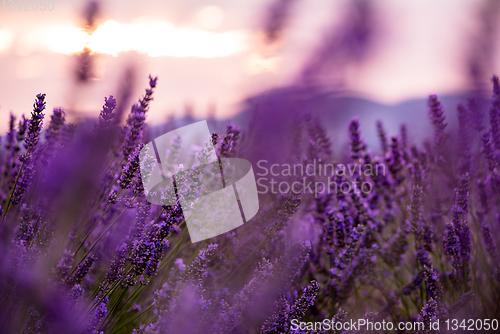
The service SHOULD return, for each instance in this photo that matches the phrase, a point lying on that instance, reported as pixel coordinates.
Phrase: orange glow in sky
(211, 53)
(153, 38)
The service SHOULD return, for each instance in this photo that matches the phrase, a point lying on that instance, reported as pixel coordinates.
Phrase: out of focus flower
(429, 314)
(135, 123)
(31, 141)
(437, 115)
(357, 144)
(35, 123)
(106, 116)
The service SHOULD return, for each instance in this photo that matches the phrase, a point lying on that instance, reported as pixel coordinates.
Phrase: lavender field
(369, 221)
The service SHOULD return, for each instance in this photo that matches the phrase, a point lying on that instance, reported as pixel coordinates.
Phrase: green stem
(99, 239)
(128, 322)
(7, 203)
(95, 225)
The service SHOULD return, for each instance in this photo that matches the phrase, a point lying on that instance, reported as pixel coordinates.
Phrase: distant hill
(269, 117)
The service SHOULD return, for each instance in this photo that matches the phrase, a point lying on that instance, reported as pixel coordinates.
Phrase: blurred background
(224, 59)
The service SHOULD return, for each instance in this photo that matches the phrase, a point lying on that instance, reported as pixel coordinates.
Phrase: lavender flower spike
(489, 242)
(429, 314)
(35, 123)
(382, 135)
(106, 116)
(495, 113)
(56, 124)
(136, 120)
(131, 169)
(357, 144)
(438, 116)
(30, 142)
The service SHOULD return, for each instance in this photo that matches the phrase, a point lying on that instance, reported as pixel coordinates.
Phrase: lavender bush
(84, 252)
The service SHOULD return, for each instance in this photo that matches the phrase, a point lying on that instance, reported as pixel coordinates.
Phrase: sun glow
(258, 63)
(5, 39)
(153, 39)
(210, 17)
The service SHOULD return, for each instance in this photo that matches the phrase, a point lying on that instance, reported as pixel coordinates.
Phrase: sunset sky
(207, 52)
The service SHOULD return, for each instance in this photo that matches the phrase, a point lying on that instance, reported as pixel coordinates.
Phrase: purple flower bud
(106, 116)
(135, 123)
(429, 314)
(358, 146)
(382, 136)
(489, 242)
(495, 114)
(433, 286)
(81, 271)
(152, 81)
(131, 169)
(437, 115)
(99, 313)
(35, 123)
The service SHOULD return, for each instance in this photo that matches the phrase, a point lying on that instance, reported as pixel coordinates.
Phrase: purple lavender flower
(339, 227)
(319, 143)
(135, 123)
(56, 124)
(403, 131)
(35, 123)
(196, 271)
(24, 178)
(495, 113)
(228, 142)
(81, 271)
(10, 147)
(460, 304)
(394, 159)
(483, 199)
(382, 136)
(35, 322)
(133, 130)
(21, 130)
(429, 314)
(116, 270)
(345, 257)
(299, 308)
(106, 116)
(98, 315)
(415, 283)
(52, 136)
(464, 139)
(457, 237)
(358, 146)
(131, 169)
(433, 286)
(62, 269)
(75, 293)
(147, 250)
(451, 241)
(476, 114)
(437, 115)
(11, 135)
(67, 135)
(31, 141)
(489, 152)
(397, 246)
(419, 226)
(489, 242)
(280, 321)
